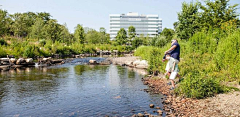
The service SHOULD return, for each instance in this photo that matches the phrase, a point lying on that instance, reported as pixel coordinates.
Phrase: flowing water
(74, 89)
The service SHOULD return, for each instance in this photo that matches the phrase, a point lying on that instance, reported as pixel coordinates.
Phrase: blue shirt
(176, 52)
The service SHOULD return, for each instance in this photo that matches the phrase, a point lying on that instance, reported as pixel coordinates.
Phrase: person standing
(175, 58)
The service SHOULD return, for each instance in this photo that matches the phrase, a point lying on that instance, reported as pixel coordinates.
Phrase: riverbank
(221, 105)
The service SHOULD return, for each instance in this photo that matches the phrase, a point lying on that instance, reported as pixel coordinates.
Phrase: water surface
(74, 90)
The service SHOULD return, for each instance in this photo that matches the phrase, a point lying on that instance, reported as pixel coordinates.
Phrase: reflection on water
(73, 90)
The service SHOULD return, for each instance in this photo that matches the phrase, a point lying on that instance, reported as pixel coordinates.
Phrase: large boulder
(4, 59)
(136, 62)
(143, 64)
(20, 61)
(29, 60)
(12, 60)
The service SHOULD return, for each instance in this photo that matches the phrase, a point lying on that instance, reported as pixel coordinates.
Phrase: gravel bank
(221, 105)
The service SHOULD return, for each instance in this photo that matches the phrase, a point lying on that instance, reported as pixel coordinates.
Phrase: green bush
(2, 52)
(3, 42)
(42, 42)
(197, 86)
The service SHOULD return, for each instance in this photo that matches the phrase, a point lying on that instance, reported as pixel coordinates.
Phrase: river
(74, 89)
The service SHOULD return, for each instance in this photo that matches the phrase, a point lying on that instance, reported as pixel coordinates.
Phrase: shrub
(2, 52)
(3, 42)
(42, 42)
(196, 86)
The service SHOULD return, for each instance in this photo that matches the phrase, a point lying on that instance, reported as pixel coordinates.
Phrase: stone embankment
(8, 63)
(221, 105)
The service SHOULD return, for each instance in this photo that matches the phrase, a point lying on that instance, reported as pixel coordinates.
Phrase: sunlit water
(74, 90)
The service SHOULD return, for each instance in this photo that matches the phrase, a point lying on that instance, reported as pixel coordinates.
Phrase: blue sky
(95, 13)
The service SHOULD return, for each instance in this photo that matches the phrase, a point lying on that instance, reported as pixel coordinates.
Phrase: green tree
(103, 36)
(188, 20)
(79, 34)
(4, 22)
(168, 33)
(136, 42)
(92, 37)
(65, 36)
(45, 16)
(37, 29)
(52, 30)
(102, 30)
(131, 32)
(217, 12)
(121, 37)
(19, 26)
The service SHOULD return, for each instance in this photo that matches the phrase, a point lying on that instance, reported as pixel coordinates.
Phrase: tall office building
(145, 24)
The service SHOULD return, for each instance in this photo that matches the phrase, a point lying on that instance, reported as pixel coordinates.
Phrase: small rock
(151, 105)
(157, 107)
(159, 112)
(140, 115)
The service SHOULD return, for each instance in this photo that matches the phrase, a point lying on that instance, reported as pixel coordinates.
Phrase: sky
(95, 13)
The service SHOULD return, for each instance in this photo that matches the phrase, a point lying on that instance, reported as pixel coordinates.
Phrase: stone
(20, 61)
(140, 115)
(151, 105)
(92, 61)
(29, 60)
(159, 112)
(157, 107)
(141, 66)
(13, 60)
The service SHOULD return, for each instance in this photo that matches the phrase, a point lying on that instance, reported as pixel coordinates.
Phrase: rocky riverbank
(221, 105)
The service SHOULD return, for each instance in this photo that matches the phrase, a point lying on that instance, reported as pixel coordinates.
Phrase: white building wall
(149, 25)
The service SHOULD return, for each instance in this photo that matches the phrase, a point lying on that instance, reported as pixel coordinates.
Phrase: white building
(145, 24)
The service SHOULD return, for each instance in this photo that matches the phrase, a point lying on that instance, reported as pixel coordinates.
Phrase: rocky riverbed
(221, 105)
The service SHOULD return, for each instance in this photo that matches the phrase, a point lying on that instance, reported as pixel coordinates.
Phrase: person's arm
(172, 48)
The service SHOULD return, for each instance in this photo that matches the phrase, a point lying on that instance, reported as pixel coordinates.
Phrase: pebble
(151, 105)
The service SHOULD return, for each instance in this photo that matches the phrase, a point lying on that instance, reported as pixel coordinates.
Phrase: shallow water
(74, 89)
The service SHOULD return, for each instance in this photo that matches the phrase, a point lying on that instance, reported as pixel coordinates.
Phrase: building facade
(149, 25)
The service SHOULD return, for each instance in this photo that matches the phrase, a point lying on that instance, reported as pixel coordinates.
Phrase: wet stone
(151, 105)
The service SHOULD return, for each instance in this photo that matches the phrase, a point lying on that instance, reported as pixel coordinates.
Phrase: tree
(65, 34)
(136, 42)
(37, 29)
(92, 37)
(79, 34)
(19, 25)
(216, 12)
(121, 37)
(52, 30)
(131, 32)
(168, 33)
(3, 22)
(45, 16)
(188, 20)
(102, 30)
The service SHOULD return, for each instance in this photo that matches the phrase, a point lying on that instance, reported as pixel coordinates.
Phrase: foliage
(131, 32)
(136, 42)
(195, 17)
(2, 52)
(79, 34)
(168, 33)
(3, 42)
(196, 86)
(121, 37)
(216, 12)
(188, 18)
